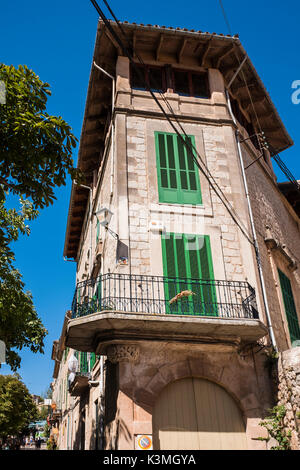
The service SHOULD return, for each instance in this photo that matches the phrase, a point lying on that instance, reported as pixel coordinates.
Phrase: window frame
(289, 316)
(145, 69)
(190, 74)
(181, 193)
(168, 79)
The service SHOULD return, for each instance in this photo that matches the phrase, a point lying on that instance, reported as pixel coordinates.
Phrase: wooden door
(196, 414)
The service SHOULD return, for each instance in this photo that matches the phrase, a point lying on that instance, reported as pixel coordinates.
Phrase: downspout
(102, 406)
(257, 254)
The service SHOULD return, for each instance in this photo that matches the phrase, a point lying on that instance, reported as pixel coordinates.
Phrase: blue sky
(56, 40)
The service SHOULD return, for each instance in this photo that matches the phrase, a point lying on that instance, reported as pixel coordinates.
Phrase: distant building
(183, 282)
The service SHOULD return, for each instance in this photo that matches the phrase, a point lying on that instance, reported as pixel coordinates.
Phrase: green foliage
(46, 430)
(17, 408)
(276, 429)
(36, 148)
(42, 413)
(35, 157)
(51, 444)
(47, 393)
(20, 325)
(271, 360)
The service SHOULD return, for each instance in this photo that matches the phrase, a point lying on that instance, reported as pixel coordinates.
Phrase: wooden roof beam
(92, 156)
(271, 130)
(97, 118)
(159, 47)
(114, 42)
(96, 143)
(134, 41)
(205, 52)
(181, 50)
(99, 131)
(247, 104)
(227, 52)
(242, 86)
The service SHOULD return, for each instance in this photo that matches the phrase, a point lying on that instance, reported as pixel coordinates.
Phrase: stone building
(187, 249)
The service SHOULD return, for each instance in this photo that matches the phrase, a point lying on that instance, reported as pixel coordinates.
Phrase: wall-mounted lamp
(104, 216)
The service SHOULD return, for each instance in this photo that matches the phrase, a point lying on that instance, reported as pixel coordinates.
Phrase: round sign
(144, 442)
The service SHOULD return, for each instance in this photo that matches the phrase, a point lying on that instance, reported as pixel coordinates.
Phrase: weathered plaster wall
(271, 210)
(140, 383)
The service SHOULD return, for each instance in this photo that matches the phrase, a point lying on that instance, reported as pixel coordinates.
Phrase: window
(178, 175)
(189, 83)
(155, 77)
(183, 82)
(189, 257)
(289, 306)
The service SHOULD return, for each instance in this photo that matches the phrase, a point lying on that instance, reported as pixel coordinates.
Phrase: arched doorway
(196, 414)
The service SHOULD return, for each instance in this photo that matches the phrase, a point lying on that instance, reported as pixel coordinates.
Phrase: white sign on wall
(143, 442)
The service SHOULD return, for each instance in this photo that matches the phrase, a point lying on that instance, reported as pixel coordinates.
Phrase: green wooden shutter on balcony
(98, 231)
(290, 308)
(92, 360)
(187, 257)
(83, 362)
(178, 176)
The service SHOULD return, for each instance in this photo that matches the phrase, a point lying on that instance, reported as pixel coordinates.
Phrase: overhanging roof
(292, 194)
(153, 42)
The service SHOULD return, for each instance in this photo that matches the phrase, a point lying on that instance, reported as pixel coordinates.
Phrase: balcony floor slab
(93, 333)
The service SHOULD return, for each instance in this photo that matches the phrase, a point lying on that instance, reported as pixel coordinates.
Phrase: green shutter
(98, 231)
(66, 392)
(290, 308)
(92, 360)
(83, 362)
(177, 173)
(207, 274)
(187, 258)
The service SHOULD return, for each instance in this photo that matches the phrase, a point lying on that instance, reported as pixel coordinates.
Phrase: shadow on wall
(115, 427)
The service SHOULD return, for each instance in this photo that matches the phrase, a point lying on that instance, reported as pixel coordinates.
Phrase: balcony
(55, 415)
(122, 306)
(80, 383)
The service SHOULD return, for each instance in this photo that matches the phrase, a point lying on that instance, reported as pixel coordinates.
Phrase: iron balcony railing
(164, 295)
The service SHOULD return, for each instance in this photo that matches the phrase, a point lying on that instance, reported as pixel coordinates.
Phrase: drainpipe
(101, 398)
(258, 258)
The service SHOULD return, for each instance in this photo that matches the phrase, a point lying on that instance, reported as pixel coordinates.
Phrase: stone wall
(156, 365)
(289, 392)
(274, 219)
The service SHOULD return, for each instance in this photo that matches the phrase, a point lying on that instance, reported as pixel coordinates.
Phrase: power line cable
(225, 17)
(186, 142)
(274, 153)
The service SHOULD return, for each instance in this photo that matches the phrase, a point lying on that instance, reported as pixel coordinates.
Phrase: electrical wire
(274, 153)
(186, 142)
(225, 17)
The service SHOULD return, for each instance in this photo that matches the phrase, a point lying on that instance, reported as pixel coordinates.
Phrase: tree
(17, 408)
(35, 157)
(47, 393)
(43, 413)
